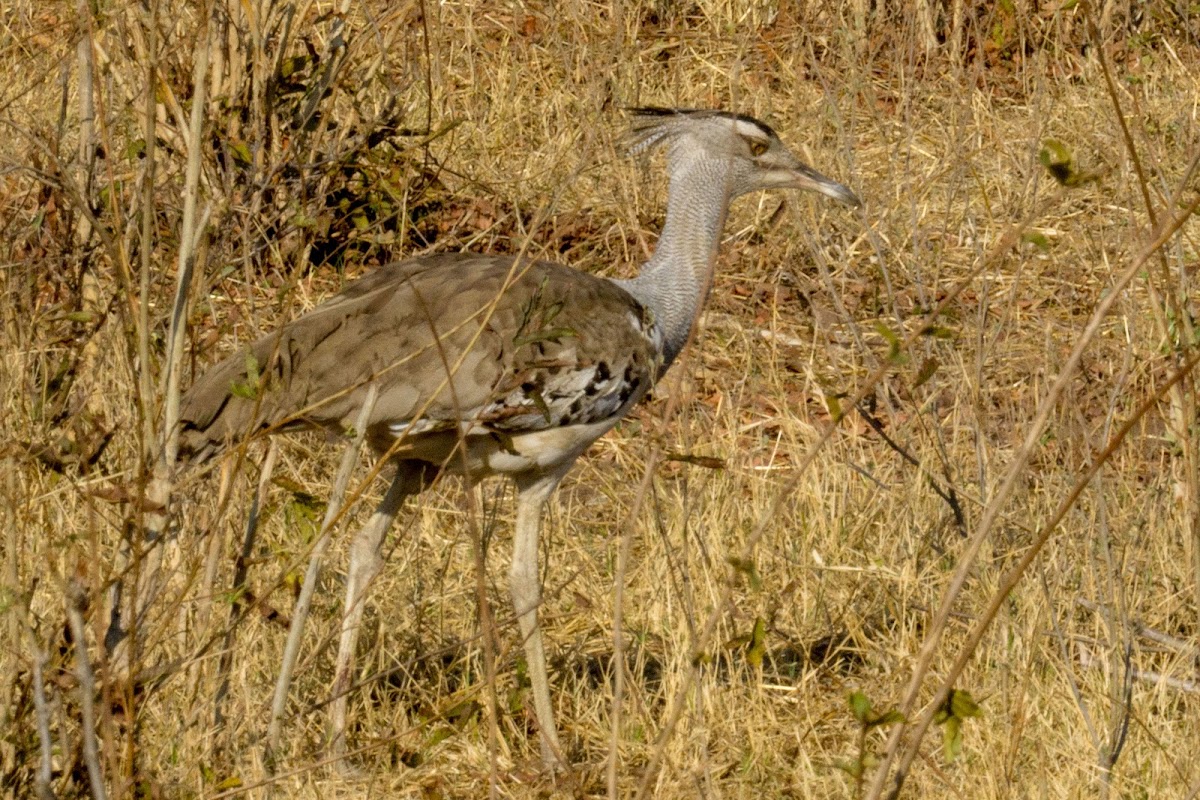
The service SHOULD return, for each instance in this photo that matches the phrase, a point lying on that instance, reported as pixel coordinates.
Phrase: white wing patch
(562, 396)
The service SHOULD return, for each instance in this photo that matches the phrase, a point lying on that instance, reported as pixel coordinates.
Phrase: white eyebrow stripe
(750, 131)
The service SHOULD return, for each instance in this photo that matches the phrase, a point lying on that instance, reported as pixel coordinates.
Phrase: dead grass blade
(992, 511)
(1006, 242)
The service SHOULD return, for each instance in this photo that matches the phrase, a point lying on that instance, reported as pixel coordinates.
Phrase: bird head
(751, 152)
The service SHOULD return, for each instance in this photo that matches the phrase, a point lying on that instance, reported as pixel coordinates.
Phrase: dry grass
(1087, 678)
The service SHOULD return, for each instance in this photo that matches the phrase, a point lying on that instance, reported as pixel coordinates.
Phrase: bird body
(524, 383)
(491, 365)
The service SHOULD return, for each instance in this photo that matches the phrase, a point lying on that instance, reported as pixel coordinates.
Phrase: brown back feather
(520, 362)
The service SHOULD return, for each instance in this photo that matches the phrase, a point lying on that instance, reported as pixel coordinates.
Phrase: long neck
(674, 283)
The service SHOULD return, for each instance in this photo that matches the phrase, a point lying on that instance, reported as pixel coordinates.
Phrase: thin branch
(76, 600)
(991, 513)
(42, 712)
(240, 568)
(187, 251)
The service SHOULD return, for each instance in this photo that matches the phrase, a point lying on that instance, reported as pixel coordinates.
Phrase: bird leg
(291, 650)
(366, 559)
(525, 587)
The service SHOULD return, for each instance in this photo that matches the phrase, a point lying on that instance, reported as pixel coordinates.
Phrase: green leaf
(887, 718)
(928, 367)
(233, 596)
(462, 713)
(308, 504)
(303, 506)
(551, 312)
(860, 706)
(292, 65)
(835, 407)
(1056, 157)
(546, 335)
(894, 344)
(962, 705)
(938, 332)
(248, 389)
(746, 567)
(539, 403)
(240, 152)
(758, 643)
(1037, 239)
(439, 735)
(852, 767)
(952, 738)
(959, 706)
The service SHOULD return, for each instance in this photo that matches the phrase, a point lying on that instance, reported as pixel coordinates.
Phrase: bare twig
(1183, 405)
(76, 600)
(1060, 637)
(148, 206)
(1088, 661)
(1016, 468)
(188, 238)
(241, 564)
(45, 744)
(148, 576)
(87, 112)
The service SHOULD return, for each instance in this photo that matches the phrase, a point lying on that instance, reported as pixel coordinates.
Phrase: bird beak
(802, 176)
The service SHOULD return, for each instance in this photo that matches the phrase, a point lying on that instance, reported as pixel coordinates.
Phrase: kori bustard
(494, 365)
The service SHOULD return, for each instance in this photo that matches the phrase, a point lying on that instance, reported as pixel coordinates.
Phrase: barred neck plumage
(675, 282)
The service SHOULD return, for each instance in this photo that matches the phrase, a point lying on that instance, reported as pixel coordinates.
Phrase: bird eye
(757, 147)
